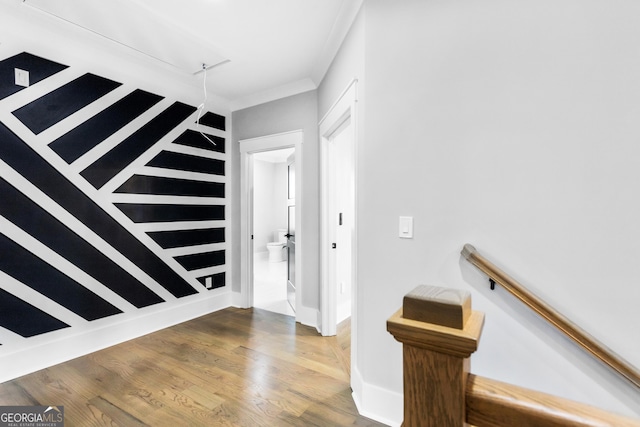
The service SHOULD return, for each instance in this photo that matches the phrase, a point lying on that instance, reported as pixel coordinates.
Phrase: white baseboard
(377, 403)
(59, 346)
(307, 316)
(237, 300)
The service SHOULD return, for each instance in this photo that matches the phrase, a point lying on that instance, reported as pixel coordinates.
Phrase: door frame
(291, 160)
(343, 109)
(249, 147)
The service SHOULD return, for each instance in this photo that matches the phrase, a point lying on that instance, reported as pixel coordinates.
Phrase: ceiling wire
(201, 106)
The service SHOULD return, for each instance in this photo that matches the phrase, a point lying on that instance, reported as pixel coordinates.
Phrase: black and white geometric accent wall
(111, 200)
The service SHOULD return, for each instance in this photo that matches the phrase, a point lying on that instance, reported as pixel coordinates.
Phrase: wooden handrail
(582, 338)
(439, 390)
(494, 403)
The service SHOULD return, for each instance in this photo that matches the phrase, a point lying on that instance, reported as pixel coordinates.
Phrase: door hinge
(333, 246)
(340, 218)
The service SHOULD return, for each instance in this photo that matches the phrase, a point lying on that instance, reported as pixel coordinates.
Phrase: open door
(295, 246)
(291, 232)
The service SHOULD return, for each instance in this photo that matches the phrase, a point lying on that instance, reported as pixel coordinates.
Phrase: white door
(341, 217)
(291, 232)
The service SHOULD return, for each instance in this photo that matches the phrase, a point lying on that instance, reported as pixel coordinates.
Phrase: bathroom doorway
(273, 235)
(261, 147)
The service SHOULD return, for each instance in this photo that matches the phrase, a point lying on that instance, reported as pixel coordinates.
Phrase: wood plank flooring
(233, 367)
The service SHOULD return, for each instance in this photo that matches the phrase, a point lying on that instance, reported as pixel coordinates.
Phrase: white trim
(271, 142)
(246, 227)
(343, 109)
(377, 403)
(49, 352)
(334, 106)
(248, 147)
(236, 299)
(344, 21)
(307, 316)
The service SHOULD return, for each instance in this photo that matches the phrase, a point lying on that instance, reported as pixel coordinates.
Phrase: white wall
(269, 203)
(298, 112)
(280, 192)
(512, 126)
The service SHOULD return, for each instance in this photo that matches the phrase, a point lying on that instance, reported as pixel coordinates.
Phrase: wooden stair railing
(578, 335)
(439, 332)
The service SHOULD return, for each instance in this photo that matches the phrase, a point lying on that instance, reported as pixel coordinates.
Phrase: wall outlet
(22, 77)
(208, 282)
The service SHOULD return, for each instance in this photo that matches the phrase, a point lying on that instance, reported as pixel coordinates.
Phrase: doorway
(339, 215)
(273, 231)
(252, 239)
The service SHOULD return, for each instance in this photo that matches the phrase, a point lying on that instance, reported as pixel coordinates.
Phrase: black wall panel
(26, 161)
(24, 319)
(202, 260)
(40, 224)
(87, 135)
(48, 199)
(194, 139)
(105, 168)
(48, 110)
(142, 184)
(187, 162)
(38, 68)
(182, 238)
(150, 212)
(25, 267)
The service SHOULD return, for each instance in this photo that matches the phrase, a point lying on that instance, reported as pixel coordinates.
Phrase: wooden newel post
(439, 332)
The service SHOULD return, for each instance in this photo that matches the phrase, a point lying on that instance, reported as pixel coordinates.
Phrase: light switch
(406, 227)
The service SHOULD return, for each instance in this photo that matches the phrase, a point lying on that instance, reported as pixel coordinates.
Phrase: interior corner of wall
(307, 316)
(237, 300)
(379, 404)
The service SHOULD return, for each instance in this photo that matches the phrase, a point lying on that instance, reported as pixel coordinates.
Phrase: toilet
(276, 249)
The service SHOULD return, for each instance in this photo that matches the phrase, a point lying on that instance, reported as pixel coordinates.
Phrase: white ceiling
(254, 50)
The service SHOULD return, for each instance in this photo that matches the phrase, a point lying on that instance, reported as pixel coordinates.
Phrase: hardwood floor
(230, 368)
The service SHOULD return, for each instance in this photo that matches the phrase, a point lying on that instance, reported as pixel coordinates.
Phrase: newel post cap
(438, 319)
(440, 306)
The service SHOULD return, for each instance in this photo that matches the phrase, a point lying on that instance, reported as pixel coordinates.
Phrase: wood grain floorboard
(233, 367)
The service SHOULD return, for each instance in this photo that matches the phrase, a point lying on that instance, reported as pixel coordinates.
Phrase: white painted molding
(51, 352)
(271, 142)
(377, 403)
(307, 316)
(248, 147)
(348, 12)
(236, 299)
(344, 108)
